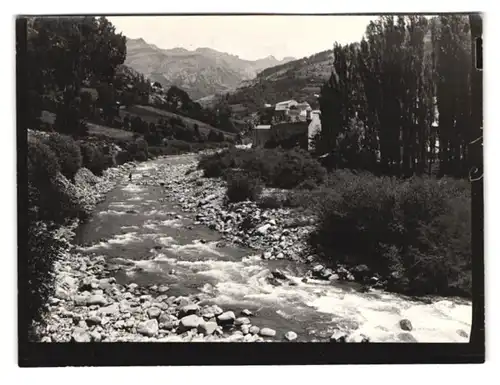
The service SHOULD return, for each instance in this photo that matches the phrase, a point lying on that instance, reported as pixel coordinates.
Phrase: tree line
(399, 101)
(74, 68)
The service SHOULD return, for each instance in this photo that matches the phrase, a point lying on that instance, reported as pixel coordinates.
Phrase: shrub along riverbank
(413, 234)
(63, 187)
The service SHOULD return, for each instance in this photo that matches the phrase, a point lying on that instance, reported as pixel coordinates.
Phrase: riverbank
(156, 275)
(89, 306)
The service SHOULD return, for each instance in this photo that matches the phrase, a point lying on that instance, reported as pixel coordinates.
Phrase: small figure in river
(130, 177)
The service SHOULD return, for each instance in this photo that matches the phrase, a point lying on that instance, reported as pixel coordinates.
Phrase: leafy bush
(94, 158)
(417, 231)
(43, 167)
(271, 202)
(138, 150)
(214, 165)
(276, 168)
(242, 187)
(308, 184)
(67, 152)
(41, 160)
(41, 253)
(123, 157)
(51, 196)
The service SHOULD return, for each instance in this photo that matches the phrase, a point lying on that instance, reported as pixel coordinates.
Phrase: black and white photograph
(305, 180)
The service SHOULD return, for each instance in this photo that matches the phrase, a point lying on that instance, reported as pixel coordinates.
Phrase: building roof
(262, 127)
(286, 102)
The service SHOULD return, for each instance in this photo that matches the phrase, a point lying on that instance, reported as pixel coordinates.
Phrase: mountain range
(201, 73)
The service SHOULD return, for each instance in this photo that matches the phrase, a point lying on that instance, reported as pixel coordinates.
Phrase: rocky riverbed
(145, 269)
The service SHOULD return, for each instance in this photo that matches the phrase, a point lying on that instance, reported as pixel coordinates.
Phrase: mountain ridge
(201, 72)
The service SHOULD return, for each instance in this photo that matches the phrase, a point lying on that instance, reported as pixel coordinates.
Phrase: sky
(249, 37)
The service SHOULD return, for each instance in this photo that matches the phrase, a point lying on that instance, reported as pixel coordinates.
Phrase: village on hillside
(298, 120)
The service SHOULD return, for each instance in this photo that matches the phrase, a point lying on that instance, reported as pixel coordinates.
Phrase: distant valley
(201, 73)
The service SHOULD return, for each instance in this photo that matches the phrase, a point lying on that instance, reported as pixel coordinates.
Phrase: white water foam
(156, 212)
(127, 238)
(111, 212)
(376, 314)
(150, 226)
(197, 248)
(129, 227)
(133, 188)
(122, 205)
(173, 223)
(119, 239)
(165, 241)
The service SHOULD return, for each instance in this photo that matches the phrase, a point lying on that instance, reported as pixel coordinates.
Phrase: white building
(314, 127)
(285, 106)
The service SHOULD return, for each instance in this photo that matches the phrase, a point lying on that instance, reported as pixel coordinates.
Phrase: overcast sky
(249, 37)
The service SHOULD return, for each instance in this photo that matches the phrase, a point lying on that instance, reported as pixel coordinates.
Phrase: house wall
(291, 134)
(313, 129)
(260, 137)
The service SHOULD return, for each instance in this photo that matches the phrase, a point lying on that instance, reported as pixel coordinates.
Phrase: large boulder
(153, 312)
(361, 272)
(189, 322)
(226, 318)
(338, 336)
(96, 299)
(316, 270)
(406, 337)
(207, 328)
(80, 335)
(112, 310)
(278, 274)
(326, 274)
(267, 332)
(94, 320)
(405, 324)
(241, 321)
(263, 230)
(148, 328)
(188, 310)
(291, 336)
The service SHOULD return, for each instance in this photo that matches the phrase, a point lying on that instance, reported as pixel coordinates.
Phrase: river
(155, 242)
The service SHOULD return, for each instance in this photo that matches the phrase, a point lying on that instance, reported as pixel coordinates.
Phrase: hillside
(299, 79)
(147, 113)
(152, 115)
(200, 73)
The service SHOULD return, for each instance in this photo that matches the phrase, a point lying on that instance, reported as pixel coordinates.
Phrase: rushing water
(137, 229)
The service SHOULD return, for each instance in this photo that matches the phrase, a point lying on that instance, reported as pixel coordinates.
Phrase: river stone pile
(89, 306)
(278, 233)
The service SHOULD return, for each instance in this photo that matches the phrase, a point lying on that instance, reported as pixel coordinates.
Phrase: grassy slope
(298, 79)
(112, 133)
(147, 113)
(152, 114)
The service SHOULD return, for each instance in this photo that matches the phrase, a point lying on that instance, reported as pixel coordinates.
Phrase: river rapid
(145, 232)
